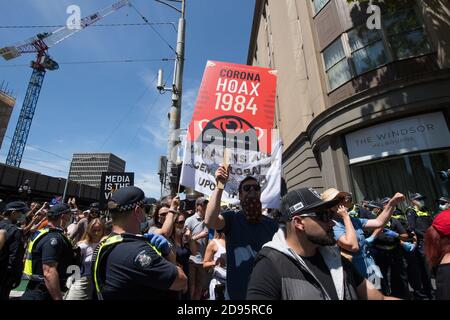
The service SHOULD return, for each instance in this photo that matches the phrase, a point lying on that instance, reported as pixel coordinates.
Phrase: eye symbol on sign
(230, 126)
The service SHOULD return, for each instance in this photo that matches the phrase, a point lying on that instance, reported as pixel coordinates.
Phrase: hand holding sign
(222, 175)
(175, 204)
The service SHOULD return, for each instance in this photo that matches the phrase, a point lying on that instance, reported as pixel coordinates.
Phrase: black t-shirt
(135, 271)
(51, 248)
(321, 271)
(443, 282)
(266, 280)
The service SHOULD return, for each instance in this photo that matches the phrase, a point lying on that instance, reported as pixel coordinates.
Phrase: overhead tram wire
(94, 25)
(97, 62)
(43, 150)
(156, 31)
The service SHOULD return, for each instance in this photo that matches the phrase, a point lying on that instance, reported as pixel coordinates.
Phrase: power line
(94, 25)
(43, 150)
(96, 62)
(156, 31)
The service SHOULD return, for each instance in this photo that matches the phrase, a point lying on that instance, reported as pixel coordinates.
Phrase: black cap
(17, 206)
(126, 199)
(201, 201)
(417, 196)
(385, 200)
(444, 199)
(303, 200)
(58, 209)
(94, 206)
(375, 205)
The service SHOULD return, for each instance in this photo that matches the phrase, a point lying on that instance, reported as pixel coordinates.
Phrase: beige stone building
(362, 109)
(7, 103)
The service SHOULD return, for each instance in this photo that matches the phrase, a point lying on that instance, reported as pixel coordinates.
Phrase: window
(406, 34)
(319, 4)
(367, 49)
(336, 64)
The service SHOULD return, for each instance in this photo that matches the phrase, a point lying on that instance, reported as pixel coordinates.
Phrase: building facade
(87, 168)
(7, 103)
(359, 108)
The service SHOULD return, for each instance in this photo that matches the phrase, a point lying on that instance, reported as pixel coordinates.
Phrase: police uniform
(48, 245)
(418, 222)
(11, 255)
(127, 266)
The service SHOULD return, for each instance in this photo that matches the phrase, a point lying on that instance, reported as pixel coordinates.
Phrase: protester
(183, 248)
(437, 250)
(80, 230)
(164, 218)
(301, 262)
(82, 289)
(419, 220)
(361, 259)
(49, 254)
(11, 254)
(246, 231)
(129, 266)
(195, 224)
(216, 258)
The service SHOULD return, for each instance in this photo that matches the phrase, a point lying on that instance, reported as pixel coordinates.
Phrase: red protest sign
(235, 100)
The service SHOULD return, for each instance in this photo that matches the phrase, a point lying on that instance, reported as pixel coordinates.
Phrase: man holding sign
(246, 231)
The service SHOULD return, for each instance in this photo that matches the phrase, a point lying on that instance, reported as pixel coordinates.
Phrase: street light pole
(175, 110)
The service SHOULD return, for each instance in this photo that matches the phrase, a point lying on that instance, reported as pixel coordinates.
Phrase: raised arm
(348, 241)
(388, 210)
(213, 219)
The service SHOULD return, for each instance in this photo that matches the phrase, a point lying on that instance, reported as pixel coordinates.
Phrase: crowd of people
(316, 246)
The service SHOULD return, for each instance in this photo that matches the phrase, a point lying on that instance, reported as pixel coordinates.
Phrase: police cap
(374, 205)
(417, 196)
(17, 206)
(58, 209)
(126, 199)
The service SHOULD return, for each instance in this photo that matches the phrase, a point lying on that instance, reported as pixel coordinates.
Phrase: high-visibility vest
(102, 252)
(422, 213)
(28, 268)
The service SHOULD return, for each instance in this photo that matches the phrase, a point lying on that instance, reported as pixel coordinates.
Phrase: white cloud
(150, 184)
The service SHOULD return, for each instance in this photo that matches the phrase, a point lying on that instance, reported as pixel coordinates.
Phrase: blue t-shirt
(360, 258)
(243, 242)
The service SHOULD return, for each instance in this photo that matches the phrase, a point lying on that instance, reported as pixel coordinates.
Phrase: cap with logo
(303, 200)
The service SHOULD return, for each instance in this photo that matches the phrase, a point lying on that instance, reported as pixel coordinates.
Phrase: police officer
(419, 220)
(11, 255)
(387, 252)
(444, 203)
(48, 257)
(127, 265)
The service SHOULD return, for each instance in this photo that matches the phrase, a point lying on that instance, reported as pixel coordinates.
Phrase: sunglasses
(248, 187)
(180, 222)
(323, 215)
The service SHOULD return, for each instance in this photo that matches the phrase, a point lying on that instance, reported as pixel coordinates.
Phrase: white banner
(199, 169)
(418, 133)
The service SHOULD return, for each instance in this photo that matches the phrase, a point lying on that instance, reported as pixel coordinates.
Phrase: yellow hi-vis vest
(422, 213)
(28, 268)
(104, 249)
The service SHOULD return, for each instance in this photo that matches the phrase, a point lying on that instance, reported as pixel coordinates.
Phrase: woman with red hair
(437, 250)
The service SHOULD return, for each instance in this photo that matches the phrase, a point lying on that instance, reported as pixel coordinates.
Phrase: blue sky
(114, 107)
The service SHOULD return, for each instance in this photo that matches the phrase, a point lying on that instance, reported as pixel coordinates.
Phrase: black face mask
(253, 209)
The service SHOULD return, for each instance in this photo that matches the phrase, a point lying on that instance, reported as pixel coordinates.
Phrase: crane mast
(40, 44)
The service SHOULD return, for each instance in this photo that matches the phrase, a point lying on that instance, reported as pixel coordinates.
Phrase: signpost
(112, 181)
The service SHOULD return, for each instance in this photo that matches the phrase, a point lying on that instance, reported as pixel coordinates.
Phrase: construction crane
(40, 44)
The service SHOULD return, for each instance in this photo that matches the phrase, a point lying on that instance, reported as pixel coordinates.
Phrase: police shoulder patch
(53, 242)
(143, 259)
